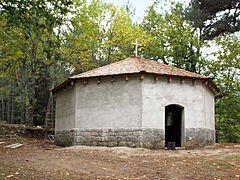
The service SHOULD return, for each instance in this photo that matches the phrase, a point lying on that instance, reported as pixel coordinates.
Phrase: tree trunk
(50, 99)
(2, 103)
(12, 112)
(33, 82)
(21, 85)
(9, 107)
(3, 112)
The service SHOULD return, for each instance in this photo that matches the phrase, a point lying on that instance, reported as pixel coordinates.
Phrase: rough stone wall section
(65, 138)
(147, 138)
(199, 137)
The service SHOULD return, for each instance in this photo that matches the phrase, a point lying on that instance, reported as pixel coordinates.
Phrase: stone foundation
(147, 138)
(199, 137)
(65, 138)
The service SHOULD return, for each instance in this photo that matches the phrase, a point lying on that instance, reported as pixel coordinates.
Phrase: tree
(99, 34)
(28, 26)
(214, 17)
(225, 70)
(173, 41)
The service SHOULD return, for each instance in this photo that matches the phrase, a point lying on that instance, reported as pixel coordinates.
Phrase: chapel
(136, 102)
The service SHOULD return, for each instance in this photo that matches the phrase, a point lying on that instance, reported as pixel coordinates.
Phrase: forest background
(43, 42)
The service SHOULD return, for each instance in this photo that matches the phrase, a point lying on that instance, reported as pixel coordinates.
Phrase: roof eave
(65, 83)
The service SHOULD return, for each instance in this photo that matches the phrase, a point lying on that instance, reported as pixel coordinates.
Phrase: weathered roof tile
(137, 65)
(134, 66)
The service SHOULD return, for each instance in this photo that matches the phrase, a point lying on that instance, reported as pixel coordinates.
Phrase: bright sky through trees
(140, 6)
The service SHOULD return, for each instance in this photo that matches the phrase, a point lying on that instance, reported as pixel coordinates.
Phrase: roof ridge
(173, 67)
(104, 66)
(182, 70)
(140, 64)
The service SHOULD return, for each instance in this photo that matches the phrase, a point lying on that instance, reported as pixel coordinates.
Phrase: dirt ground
(41, 159)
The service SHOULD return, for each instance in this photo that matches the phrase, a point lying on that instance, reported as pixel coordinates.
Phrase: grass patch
(221, 164)
(19, 139)
(231, 157)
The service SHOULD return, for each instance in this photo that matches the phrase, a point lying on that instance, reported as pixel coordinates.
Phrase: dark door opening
(173, 124)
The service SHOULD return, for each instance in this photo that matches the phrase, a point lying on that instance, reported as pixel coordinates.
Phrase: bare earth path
(40, 159)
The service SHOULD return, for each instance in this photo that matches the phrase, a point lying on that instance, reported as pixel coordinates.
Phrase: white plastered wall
(65, 109)
(108, 105)
(197, 101)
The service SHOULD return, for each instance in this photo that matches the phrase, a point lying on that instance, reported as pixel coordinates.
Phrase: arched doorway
(173, 124)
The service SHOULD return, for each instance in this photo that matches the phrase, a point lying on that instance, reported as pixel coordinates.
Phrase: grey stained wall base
(146, 138)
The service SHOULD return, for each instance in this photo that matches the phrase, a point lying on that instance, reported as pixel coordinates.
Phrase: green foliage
(225, 70)
(31, 44)
(173, 41)
(19, 139)
(99, 34)
(215, 17)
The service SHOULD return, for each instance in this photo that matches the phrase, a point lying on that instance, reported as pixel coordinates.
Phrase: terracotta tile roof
(137, 65)
(134, 66)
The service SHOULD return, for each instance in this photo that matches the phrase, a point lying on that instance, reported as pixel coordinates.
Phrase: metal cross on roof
(136, 47)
